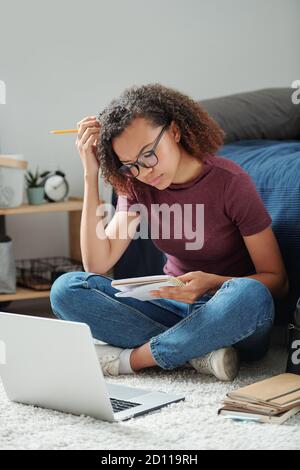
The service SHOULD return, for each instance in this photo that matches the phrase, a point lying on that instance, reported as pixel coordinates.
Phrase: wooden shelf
(74, 207)
(72, 204)
(24, 294)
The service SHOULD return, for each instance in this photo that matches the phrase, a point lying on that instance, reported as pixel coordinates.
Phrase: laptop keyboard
(121, 405)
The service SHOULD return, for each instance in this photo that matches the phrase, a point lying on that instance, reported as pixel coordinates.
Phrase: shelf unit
(73, 206)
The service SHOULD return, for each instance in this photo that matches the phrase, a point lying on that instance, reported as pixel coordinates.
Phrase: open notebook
(139, 287)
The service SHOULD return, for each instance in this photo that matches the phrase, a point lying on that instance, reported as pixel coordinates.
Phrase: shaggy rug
(190, 424)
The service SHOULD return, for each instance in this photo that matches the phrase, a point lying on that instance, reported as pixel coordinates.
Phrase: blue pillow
(275, 169)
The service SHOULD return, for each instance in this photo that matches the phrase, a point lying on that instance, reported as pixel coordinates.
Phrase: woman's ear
(175, 132)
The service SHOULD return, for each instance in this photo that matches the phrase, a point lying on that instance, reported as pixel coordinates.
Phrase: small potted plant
(35, 186)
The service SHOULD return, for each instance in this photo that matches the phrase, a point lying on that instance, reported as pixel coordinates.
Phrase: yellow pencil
(65, 131)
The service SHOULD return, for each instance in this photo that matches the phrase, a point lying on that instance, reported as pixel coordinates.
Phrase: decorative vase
(35, 195)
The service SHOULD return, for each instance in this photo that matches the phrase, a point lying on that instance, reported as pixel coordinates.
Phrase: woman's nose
(146, 172)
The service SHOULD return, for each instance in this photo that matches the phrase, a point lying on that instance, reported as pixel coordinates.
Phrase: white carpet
(192, 424)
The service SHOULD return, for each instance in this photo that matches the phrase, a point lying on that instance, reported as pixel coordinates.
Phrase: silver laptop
(53, 364)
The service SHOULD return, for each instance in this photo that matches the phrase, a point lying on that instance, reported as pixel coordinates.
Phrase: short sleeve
(244, 205)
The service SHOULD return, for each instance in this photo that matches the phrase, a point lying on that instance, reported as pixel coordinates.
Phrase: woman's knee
(253, 296)
(63, 290)
(70, 293)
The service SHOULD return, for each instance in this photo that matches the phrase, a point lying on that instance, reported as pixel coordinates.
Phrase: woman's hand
(198, 283)
(86, 143)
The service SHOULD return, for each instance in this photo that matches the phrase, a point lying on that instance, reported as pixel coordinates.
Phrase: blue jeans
(239, 314)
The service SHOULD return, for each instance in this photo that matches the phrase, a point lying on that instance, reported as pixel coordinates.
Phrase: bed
(274, 167)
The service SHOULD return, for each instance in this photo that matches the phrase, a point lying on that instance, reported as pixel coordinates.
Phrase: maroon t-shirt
(224, 206)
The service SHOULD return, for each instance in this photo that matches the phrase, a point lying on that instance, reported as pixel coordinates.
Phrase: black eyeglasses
(147, 159)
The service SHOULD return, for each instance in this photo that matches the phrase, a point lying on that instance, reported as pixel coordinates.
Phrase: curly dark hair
(160, 105)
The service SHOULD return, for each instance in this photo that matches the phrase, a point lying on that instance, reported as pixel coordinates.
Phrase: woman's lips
(155, 181)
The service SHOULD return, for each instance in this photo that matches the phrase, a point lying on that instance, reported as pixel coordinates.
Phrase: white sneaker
(109, 358)
(223, 364)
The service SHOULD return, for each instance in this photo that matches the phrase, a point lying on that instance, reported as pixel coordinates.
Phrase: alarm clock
(56, 187)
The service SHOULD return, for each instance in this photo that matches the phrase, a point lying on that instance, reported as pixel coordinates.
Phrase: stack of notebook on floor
(270, 401)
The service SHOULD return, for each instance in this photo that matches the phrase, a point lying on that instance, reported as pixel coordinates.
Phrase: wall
(63, 60)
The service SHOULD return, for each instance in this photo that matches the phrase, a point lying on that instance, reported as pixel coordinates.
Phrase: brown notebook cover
(281, 391)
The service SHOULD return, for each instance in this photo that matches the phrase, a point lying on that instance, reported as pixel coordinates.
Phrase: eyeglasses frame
(136, 163)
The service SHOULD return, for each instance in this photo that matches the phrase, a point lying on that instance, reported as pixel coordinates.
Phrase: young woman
(157, 147)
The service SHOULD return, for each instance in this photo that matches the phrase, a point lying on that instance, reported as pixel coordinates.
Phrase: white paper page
(142, 292)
